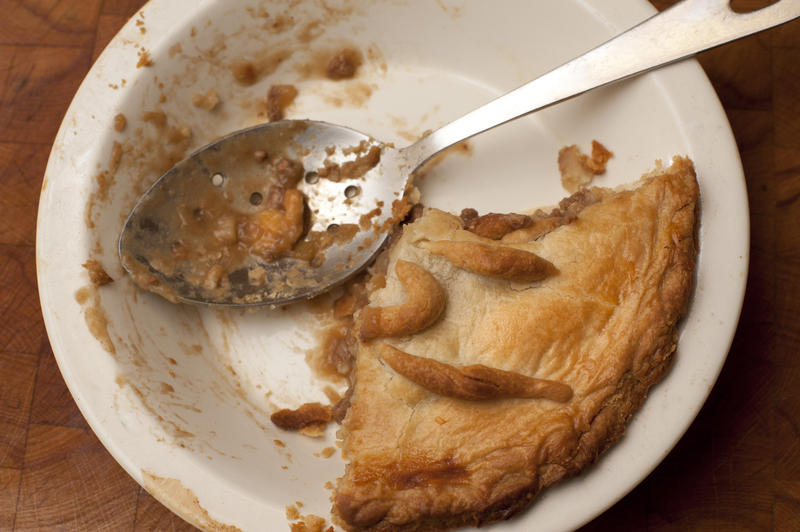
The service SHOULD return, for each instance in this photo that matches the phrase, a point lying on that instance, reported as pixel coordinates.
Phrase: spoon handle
(683, 30)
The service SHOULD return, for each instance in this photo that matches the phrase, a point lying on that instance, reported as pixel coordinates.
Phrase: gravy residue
(174, 494)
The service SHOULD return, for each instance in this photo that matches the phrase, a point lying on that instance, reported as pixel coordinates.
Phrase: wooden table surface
(737, 468)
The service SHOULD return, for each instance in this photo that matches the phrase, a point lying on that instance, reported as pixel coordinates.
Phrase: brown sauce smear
(97, 274)
(208, 100)
(279, 97)
(244, 72)
(344, 64)
(336, 354)
(367, 159)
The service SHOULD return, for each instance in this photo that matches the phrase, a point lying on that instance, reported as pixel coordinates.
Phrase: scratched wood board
(737, 468)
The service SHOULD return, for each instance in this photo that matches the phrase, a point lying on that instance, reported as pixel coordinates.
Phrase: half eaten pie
(494, 363)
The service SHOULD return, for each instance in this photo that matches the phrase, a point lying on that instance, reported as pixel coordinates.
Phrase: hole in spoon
(332, 227)
(256, 198)
(217, 179)
(352, 191)
(312, 178)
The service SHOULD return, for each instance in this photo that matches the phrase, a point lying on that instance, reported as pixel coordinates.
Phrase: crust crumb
(305, 523)
(474, 382)
(292, 513)
(327, 452)
(308, 415)
(120, 122)
(145, 60)
(310, 523)
(493, 261)
(578, 169)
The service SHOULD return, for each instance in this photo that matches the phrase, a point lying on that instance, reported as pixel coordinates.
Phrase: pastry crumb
(317, 430)
(307, 414)
(310, 523)
(145, 60)
(120, 122)
(327, 452)
(578, 169)
(292, 513)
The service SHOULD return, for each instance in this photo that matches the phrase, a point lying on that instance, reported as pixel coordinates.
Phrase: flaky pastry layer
(605, 324)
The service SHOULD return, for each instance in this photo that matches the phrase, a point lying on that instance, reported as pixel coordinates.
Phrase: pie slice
(490, 367)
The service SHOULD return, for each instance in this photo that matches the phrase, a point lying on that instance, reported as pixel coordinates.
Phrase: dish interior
(185, 393)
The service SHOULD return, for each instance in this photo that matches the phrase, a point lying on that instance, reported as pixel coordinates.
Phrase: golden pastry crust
(475, 382)
(605, 326)
(502, 262)
(424, 304)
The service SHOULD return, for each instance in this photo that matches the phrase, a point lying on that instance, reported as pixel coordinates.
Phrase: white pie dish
(211, 432)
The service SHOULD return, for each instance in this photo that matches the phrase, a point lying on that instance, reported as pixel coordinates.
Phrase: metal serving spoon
(231, 170)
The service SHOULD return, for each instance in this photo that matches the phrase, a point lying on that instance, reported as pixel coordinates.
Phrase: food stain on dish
(97, 274)
(219, 381)
(183, 501)
(104, 181)
(335, 63)
(279, 97)
(208, 100)
(95, 316)
(289, 39)
(463, 148)
(170, 368)
(354, 94)
(159, 374)
(453, 11)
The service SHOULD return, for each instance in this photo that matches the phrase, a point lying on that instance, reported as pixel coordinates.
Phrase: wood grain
(21, 170)
(737, 468)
